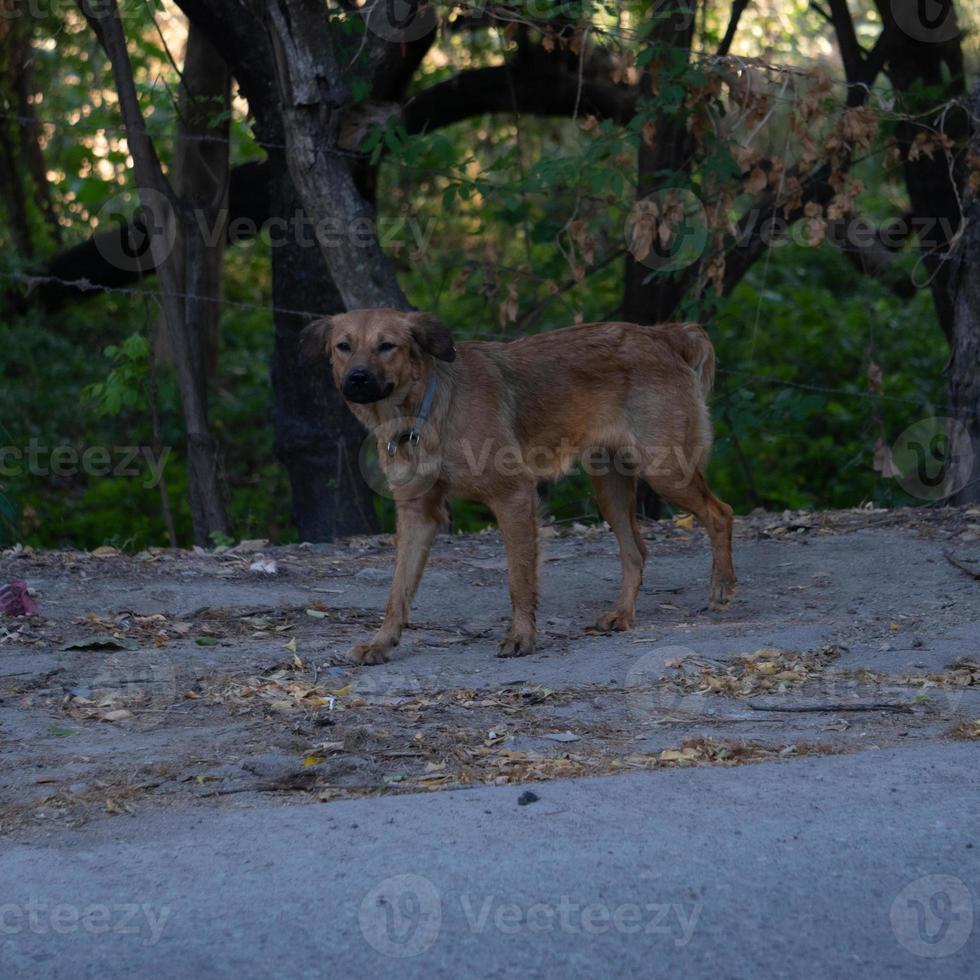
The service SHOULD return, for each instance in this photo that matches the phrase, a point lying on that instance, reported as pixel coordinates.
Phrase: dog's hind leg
(692, 494)
(418, 522)
(517, 515)
(616, 495)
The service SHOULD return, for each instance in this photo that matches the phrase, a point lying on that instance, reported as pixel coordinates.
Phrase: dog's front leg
(517, 516)
(417, 524)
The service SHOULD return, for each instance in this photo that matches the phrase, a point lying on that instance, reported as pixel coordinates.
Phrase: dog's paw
(370, 654)
(722, 594)
(516, 646)
(615, 621)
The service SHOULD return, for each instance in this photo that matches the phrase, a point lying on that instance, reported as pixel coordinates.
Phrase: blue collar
(413, 436)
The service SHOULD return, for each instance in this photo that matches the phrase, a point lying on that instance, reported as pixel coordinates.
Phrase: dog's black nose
(362, 387)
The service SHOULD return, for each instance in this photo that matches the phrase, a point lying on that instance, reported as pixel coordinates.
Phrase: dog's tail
(693, 344)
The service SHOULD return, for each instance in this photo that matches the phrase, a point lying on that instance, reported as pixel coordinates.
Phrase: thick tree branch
(543, 85)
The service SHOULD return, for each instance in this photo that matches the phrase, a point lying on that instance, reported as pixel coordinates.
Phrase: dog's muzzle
(362, 387)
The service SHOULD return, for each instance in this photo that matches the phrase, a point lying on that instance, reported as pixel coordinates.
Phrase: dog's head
(376, 353)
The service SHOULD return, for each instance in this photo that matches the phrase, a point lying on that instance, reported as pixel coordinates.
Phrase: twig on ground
(869, 706)
(968, 571)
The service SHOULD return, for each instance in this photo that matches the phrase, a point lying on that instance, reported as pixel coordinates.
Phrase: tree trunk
(14, 194)
(161, 207)
(314, 96)
(13, 55)
(651, 297)
(936, 66)
(963, 454)
(317, 437)
(201, 181)
(23, 172)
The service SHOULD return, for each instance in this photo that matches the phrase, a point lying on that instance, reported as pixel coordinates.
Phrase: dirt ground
(199, 680)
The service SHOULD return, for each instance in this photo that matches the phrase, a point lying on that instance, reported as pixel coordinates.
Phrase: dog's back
(597, 385)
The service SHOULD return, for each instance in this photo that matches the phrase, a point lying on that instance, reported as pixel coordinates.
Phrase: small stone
(527, 797)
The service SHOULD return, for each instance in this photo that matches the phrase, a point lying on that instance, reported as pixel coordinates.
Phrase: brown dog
(487, 421)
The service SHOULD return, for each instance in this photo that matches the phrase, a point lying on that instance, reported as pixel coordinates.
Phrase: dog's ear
(432, 335)
(314, 342)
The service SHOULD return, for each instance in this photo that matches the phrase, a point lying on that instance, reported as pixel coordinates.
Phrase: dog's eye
(385, 347)
(343, 347)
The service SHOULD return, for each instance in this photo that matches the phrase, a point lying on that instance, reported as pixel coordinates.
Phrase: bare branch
(738, 8)
(851, 52)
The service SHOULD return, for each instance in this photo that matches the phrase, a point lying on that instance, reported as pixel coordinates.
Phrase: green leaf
(59, 731)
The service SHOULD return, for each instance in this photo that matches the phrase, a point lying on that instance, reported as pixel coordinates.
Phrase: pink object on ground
(14, 600)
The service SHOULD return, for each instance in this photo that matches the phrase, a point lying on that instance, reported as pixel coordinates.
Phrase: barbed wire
(816, 389)
(85, 285)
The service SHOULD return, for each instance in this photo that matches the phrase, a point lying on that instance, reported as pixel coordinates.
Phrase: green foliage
(507, 226)
(812, 321)
(125, 384)
(221, 540)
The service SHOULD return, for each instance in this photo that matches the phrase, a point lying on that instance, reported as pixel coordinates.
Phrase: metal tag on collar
(412, 437)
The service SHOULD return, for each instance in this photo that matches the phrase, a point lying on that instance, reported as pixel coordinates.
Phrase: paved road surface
(853, 866)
